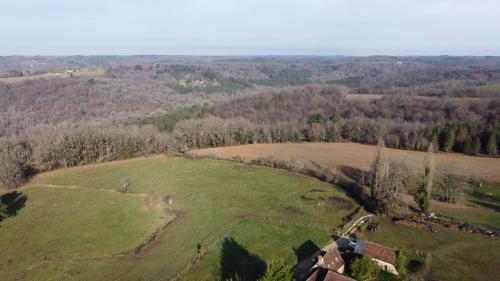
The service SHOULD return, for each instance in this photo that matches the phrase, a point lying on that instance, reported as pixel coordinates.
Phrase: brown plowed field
(359, 156)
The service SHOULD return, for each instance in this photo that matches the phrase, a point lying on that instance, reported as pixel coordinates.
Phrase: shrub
(14, 159)
(11, 172)
(265, 161)
(239, 159)
(277, 271)
(450, 187)
(422, 199)
(296, 165)
(124, 184)
(401, 263)
(363, 268)
(4, 209)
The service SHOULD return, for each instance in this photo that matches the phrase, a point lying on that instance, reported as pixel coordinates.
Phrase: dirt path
(359, 156)
(85, 188)
(357, 223)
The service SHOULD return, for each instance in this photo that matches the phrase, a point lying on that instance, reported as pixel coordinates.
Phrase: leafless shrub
(11, 172)
(239, 159)
(449, 187)
(14, 161)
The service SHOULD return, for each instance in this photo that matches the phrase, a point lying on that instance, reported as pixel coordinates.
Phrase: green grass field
(490, 87)
(482, 207)
(84, 232)
(454, 255)
(67, 224)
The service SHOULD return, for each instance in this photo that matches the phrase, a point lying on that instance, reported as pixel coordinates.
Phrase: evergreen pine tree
(476, 146)
(277, 271)
(422, 198)
(449, 141)
(491, 146)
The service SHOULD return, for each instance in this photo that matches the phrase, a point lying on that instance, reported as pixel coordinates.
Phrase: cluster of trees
(51, 148)
(125, 94)
(467, 137)
(78, 146)
(146, 85)
(388, 180)
(212, 132)
(325, 114)
(166, 122)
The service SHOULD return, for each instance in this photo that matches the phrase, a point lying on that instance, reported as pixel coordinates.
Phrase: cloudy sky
(250, 27)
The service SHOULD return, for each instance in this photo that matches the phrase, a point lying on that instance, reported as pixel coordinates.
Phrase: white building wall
(386, 266)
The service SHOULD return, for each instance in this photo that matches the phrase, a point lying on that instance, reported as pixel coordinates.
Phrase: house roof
(376, 251)
(328, 275)
(331, 260)
(313, 277)
(334, 276)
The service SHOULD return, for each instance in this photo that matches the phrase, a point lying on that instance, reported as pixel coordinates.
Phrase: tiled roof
(313, 277)
(334, 276)
(332, 260)
(328, 275)
(380, 252)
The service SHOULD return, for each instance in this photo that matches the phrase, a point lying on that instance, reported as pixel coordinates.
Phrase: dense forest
(142, 105)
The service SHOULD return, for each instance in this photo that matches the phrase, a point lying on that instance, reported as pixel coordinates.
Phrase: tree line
(47, 148)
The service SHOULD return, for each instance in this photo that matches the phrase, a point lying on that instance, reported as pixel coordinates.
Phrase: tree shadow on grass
(305, 250)
(415, 266)
(11, 203)
(238, 264)
(351, 186)
(487, 205)
(306, 257)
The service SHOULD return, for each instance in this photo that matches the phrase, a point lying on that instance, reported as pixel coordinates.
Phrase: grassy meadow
(490, 87)
(75, 225)
(454, 255)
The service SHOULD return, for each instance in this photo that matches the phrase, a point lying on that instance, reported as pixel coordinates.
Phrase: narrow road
(355, 225)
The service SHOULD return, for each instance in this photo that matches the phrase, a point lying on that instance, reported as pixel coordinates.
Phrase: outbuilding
(384, 256)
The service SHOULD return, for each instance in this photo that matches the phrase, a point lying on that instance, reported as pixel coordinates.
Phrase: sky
(250, 27)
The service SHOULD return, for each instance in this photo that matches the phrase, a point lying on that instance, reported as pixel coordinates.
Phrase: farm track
(355, 225)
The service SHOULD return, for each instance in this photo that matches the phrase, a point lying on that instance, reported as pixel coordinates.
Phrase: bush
(265, 161)
(401, 263)
(277, 271)
(14, 159)
(422, 199)
(296, 165)
(363, 268)
(124, 184)
(450, 187)
(239, 159)
(11, 172)
(4, 209)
